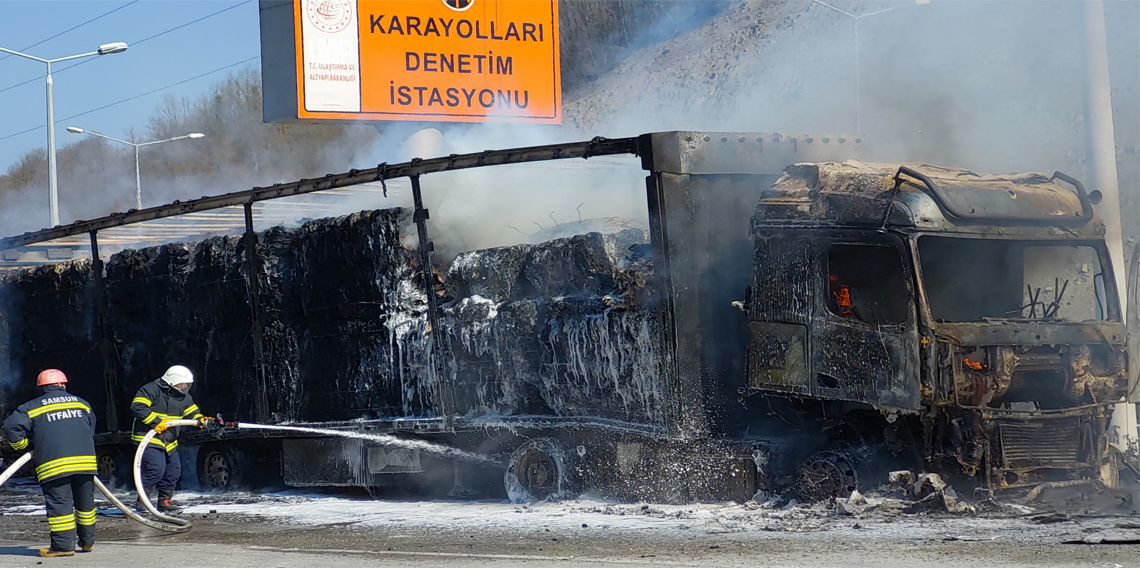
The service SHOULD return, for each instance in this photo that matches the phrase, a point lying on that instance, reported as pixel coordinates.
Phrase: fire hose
(182, 525)
(15, 467)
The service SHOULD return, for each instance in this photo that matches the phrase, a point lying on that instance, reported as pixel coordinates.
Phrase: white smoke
(988, 85)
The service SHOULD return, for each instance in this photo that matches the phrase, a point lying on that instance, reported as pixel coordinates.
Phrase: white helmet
(177, 375)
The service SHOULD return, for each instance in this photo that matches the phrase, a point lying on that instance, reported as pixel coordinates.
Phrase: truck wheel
(827, 475)
(217, 469)
(537, 471)
(113, 467)
(105, 468)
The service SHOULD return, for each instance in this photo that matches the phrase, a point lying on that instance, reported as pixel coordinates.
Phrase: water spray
(183, 526)
(383, 439)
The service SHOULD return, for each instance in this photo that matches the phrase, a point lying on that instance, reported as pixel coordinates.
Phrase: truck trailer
(794, 318)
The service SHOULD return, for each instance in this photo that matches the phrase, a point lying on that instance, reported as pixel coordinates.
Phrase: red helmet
(51, 377)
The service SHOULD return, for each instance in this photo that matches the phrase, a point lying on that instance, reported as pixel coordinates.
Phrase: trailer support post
(446, 404)
(252, 262)
(106, 349)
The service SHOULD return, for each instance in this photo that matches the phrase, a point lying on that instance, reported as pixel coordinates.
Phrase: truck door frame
(891, 345)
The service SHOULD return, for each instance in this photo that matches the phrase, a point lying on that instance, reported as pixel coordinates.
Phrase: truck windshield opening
(969, 280)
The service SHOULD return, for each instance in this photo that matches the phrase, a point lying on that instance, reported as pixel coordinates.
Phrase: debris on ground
(1106, 539)
(1015, 509)
(904, 477)
(906, 492)
(1050, 518)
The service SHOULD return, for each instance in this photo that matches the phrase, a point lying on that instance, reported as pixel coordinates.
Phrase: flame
(973, 365)
(842, 295)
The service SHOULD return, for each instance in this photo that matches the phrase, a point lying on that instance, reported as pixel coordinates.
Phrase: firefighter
(166, 398)
(60, 428)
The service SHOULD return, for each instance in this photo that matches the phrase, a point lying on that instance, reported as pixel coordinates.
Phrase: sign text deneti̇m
(428, 60)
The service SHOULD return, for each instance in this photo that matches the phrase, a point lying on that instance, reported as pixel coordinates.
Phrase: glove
(160, 428)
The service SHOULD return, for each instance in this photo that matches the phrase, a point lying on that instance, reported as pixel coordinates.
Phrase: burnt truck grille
(1055, 442)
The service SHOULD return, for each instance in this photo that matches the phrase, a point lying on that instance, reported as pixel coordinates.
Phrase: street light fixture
(858, 102)
(114, 47)
(138, 180)
(53, 195)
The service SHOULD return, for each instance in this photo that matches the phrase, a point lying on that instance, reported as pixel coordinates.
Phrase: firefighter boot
(164, 501)
(139, 507)
(86, 547)
(53, 553)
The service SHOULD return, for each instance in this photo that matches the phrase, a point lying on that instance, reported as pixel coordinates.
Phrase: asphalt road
(152, 554)
(291, 529)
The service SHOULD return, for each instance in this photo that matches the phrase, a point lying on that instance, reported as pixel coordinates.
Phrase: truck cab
(975, 317)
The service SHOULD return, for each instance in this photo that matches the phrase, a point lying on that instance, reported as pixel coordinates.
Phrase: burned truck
(790, 319)
(977, 315)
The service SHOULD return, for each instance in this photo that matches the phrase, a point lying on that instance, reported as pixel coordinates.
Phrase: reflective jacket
(60, 428)
(158, 402)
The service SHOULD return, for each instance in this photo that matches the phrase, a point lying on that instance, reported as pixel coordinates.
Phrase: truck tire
(539, 470)
(826, 475)
(105, 467)
(113, 466)
(217, 468)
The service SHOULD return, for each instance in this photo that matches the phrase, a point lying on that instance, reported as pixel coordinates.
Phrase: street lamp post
(858, 104)
(53, 195)
(138, 180)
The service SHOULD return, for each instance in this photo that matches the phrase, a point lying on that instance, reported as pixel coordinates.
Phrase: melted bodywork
(976, 313)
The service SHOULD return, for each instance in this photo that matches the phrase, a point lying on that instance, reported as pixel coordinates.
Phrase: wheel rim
(217, 470)
(537, 473)
(825, 476)
(106, 467)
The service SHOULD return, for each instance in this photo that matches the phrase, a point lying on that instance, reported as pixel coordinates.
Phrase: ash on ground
(1019, 524)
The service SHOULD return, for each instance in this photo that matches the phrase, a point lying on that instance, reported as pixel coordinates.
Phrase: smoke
(992, 86)
(505, 205)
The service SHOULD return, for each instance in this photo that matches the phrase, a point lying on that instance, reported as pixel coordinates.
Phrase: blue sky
(198, 48)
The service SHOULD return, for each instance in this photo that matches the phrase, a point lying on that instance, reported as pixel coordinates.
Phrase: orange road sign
(421, 60)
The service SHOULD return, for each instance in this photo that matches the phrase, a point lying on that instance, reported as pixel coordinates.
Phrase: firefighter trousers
(160, 468)
(70, 502)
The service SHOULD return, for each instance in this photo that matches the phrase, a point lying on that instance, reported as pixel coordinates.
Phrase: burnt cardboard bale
(352, 280)
(575, 265)
(51, 323)
(572, 264)
(279, 310)
(494, 353)
(9, 372)
(566, 357)
(620, 245)
(494, 273)
(602, 362)
(184, 304)
(579, 346)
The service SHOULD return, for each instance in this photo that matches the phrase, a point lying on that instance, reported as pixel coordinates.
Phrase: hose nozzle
(221, 423)
(210, 423)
